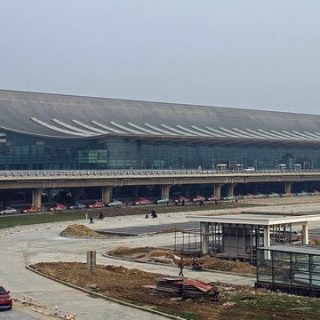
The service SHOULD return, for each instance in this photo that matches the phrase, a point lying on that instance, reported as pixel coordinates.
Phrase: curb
(121, 302)
(34, 309)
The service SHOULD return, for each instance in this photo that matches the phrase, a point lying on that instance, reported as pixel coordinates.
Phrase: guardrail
(147, 172)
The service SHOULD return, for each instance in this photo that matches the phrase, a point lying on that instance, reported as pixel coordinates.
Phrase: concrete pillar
(36, 198)
(106, 194)
(231, 189)
(287, 187)
(165, 191)
(266, 241)
(204, 236)
(305, 234)
(266, 236)
(217, 190)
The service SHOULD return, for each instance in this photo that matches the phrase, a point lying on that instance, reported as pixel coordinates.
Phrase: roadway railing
(146, 172)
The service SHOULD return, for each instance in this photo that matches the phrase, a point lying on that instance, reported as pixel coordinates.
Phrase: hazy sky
(241, 53)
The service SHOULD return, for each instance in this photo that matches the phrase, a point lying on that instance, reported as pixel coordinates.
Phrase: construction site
(137, 264)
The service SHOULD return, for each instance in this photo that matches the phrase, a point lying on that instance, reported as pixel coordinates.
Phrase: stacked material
(172, 286)
(199, 290)
(187, 288)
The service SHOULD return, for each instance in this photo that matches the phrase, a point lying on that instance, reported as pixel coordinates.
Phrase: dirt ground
(148, 254)
(235, 302)
(156, 255)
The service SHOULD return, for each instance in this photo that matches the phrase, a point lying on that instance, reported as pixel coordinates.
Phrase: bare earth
(236, 302)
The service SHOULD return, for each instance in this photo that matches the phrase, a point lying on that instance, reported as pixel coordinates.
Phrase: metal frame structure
(289, 269)
(237, 237)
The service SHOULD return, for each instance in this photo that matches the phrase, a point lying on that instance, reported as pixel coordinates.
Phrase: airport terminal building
(50, 131)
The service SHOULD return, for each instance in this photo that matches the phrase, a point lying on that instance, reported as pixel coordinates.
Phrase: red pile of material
(187, 288)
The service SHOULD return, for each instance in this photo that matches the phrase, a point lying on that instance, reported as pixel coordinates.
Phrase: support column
(231, 189)
(204, 235)
(165, 191)
(217, 190)
(266, 241)
(287, 187)
(106, 194)
(36, 198)
(305, 234)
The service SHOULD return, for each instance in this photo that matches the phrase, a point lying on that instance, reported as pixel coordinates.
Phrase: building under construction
(238, 236)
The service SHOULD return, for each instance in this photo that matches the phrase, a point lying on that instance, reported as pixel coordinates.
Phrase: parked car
(162, 201)
(198, 199)
(96, 204)
(182, 200)
(8, 211)
(142, 201)
(77, 206)
(58, 207)
(259, 196)
(290, 236)
(5, 299)
(31, 210)
(303, 194)
(115, 203)
(273, 195)
(212, 198)
(229, 198)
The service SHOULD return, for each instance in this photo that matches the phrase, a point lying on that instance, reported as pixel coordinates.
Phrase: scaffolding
(187, 241)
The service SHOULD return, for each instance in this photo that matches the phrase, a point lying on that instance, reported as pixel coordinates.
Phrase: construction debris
(187, 288)
(79, 230)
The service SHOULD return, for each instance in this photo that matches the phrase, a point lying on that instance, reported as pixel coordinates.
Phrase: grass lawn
(69, 215)
(28, 219)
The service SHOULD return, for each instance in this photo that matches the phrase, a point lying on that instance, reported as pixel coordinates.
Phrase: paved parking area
(151, 229)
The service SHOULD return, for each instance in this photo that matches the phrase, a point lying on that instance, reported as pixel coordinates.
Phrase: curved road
(25, 245)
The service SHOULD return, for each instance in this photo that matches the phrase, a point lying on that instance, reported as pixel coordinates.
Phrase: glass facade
(289, 270)
(24, 152)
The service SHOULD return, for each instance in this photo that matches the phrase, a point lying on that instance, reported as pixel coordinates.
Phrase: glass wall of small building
(289, 271)
(23, 152)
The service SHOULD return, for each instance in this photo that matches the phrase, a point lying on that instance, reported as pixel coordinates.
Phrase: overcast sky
(241, 53)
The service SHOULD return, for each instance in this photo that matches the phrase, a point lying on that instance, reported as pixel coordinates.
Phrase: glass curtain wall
(289, 270)
(23, 152)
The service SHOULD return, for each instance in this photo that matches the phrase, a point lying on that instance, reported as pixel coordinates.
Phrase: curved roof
(65, 116)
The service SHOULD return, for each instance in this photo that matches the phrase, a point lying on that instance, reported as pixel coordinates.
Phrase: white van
(249, 169)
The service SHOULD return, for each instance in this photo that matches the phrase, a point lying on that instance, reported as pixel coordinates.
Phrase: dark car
(5, 299)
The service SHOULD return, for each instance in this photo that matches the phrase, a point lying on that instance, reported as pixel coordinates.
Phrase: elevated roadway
(108, 179)
(114, 178)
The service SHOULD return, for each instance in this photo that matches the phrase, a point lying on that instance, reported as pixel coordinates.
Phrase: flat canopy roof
(255, 219)
(294, 249)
